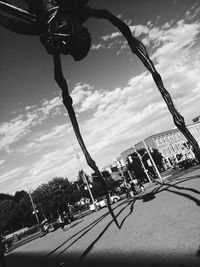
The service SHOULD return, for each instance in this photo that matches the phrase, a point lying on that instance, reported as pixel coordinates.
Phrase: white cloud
(49, 105)
(80, 92)
(111, 36)
(91, 102)
(53, 164)
(2, 161)
(177, 43)
(55, 133)
(97, 47)
(18, 127)
(193, 12)
(14, 130)
(47, 161)
(11, 175)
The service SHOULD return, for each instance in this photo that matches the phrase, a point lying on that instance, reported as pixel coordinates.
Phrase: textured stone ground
(161, 228)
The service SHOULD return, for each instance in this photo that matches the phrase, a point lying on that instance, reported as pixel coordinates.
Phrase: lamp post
(84, 176)
(153, 162)
(140, 158)
(88, 188)
(33, 205)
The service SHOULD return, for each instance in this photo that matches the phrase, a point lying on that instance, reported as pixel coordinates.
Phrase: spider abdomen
(65, 35)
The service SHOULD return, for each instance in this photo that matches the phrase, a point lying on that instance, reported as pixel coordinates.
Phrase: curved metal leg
(67, 101)
(139, 49)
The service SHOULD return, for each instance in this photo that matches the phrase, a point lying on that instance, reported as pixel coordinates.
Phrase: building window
(157, 142)
(172, 148)
(169, 151)
(162, 140)
(168, 138)
(180, 136)
(164, 152)
(176, 147)
(176, 136)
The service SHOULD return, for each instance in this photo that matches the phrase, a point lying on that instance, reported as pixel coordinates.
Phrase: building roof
(170, 131)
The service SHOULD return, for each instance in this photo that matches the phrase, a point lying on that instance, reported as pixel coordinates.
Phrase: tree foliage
(135, 165)
(51, 199)
(15, 211)
(9, 215)
(23, 199)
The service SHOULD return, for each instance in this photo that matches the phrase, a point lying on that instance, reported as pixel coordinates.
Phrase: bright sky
(115, 99)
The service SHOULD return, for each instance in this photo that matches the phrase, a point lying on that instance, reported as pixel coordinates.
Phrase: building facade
(171, 143)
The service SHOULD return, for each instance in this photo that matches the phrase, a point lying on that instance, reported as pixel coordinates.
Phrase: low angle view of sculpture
(59, 26)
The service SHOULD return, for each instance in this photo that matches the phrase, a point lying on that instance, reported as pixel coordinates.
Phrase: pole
(33, 206)
(153, 162)
(121, 172)
(145, 170)
(58, 212)
(129, 173)
(88, 188)
(84, 176)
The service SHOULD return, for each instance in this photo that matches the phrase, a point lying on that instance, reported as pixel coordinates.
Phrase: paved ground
(159, 228)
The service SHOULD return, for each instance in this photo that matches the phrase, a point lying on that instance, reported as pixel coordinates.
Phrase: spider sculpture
(59, 25)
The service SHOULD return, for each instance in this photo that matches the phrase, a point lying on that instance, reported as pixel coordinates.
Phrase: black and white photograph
(99, 133)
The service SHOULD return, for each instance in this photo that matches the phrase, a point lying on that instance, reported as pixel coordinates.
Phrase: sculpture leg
(67, 101)
(28, 25)
(18, 26)
(139, 49)
(18, 12)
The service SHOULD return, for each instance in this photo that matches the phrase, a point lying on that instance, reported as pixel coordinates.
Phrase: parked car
(187, 163)
(68, 217)
(102, 202)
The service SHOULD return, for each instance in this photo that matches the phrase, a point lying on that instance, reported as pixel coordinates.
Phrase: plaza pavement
(160, 227)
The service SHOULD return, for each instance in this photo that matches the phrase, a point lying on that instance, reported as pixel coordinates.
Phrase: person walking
(61, 222)
(67, 221)
(133, 189)
(127, 188)
(140, 185)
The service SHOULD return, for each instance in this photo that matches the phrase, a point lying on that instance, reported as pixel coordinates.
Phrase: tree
(135, 165)
(51, 198)
(15, 211)
(9, 216)
(97, 189)
(5, 197)
(158, 158)
(23, 199)
(81, 183)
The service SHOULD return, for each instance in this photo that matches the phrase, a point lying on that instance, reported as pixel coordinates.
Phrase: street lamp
(35, 211)
(84, 176)
(140, 158)
(153, 162)
(88, 188)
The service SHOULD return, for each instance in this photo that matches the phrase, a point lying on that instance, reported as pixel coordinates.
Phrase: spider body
(64, 35)
(62, 29)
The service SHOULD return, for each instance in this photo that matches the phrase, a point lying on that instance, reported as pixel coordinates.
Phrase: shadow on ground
(169, 186)
(135, 260)
(57, 257)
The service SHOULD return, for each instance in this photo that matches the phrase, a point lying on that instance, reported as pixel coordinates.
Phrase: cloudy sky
(115, 99)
